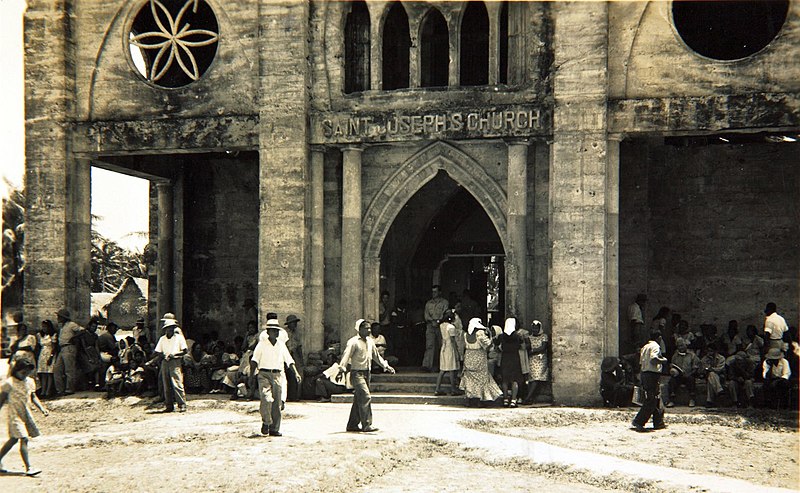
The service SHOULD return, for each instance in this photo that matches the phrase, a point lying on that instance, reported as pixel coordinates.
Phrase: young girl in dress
(19, 390)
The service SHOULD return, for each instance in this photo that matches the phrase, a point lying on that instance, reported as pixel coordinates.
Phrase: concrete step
(396, 398)
(404, 387)
(406, 377)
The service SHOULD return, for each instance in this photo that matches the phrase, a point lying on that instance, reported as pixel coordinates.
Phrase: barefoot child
(18, 390)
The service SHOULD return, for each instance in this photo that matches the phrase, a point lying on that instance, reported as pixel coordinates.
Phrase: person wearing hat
(172, 347)
(683, 370)
(66, 366)
(612, 379)
(295, 348)
(477, 383)
(776, 373)
(636, 321)
(356, 359)
(267, 363)
(651, 361)
(774, 326)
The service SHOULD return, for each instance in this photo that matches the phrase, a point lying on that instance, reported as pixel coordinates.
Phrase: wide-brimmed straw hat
(774, 353)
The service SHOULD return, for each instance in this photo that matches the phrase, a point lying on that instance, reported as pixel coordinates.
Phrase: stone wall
(711, 231)
(220, 243)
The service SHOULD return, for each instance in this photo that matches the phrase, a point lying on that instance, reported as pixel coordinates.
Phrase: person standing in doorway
(66, 366)
(172, 347)
(774, 327)
(357, 358)
(636, 322)
(402, 329)
(268, 361)
(651, 361)
(295, 346)
(434, 312)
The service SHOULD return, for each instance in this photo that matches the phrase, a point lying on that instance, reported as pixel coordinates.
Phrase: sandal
(513, 404)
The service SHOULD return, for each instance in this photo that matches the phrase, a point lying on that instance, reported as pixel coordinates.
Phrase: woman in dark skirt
(510, 366)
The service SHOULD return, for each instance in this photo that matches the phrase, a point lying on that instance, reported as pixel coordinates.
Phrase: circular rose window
(173, 42)
(728, 30)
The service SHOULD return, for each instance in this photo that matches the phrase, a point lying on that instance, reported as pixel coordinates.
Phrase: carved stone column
(316, 282)
(165, 299)
(517, 256)
(352, 263)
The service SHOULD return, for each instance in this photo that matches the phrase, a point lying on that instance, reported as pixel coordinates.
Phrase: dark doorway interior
(442, 232)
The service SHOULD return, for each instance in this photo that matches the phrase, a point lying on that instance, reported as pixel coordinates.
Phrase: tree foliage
(111, 264)
(13, 240)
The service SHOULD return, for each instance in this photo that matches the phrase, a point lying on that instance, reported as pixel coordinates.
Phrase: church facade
(553, 158)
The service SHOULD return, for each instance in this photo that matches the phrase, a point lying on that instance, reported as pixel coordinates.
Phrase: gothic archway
(413, 174)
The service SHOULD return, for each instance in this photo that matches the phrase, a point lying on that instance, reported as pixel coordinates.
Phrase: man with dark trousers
(651, 361)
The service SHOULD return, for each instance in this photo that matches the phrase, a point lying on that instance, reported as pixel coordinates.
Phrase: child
(18, 390)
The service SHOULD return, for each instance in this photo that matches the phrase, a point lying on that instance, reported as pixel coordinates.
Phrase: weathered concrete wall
(110, 88)
(647, 58)
(57, 272)
(715, 228)
(578, 161)
(333, 243)
(220, 244)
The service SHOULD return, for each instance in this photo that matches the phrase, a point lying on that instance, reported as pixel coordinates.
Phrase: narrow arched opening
(475, 45)
(395, 49)
(357, 49)
(434, 50)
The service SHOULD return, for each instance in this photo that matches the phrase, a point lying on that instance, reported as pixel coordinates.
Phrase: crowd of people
(757, 366)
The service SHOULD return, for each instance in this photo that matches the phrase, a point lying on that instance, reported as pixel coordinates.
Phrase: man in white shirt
(651, 361)
(776, 373)
(172, 346)
(774, 326)
(636, 322)
(357, 358)
(268, 360)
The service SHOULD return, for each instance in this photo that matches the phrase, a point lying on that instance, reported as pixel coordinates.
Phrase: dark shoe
(438, 393)
(710, 404)
(181, 409)
(369, 429)
(264, 429)
(66, 393)
(512, 404)
(324, 399)
(662, 426)
(168, 410)
(275, 433)
(234, 396)
(638, 428)
(669, 404)
(353, 430)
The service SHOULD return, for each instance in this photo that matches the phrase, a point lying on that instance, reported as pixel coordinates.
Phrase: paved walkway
(404, 421)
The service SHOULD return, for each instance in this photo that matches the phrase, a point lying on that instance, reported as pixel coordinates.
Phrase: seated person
(753, 344)
(196, 375)
(614, 386)
(330, 382)
(683, 370)
(114, 379)
(381, 344)
(740, 373)
(776, 372)
(731, 341)
(238, 378)
(713, 365)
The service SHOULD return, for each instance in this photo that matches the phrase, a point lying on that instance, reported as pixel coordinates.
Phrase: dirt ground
(90, 444)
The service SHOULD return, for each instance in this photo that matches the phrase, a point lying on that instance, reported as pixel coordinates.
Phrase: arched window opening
(502, 77)
(396, 46)
(434, 50)
(475, 45)
(356, 49)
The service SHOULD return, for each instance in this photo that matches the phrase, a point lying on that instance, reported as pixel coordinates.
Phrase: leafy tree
(13, 241)
(111, 264)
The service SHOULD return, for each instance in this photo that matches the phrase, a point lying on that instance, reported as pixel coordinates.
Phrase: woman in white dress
(448, 355)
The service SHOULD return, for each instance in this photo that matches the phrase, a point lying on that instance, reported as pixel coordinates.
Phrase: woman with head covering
(476, 381)
(448, 354)
(47, 358)
(510, 367)
(539, 368)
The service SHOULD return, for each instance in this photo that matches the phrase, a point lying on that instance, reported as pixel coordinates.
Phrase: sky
(120, 201)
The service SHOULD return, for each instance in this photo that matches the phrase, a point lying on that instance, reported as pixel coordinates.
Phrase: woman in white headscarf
(510, 366)
(476, 381)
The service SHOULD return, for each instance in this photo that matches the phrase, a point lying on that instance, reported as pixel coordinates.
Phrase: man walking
(650, 359)
(434, 311)
(172, 346)
(66, 365)
(357, 359)
(267, 362)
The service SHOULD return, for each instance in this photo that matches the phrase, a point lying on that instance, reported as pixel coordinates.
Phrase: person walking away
(18, 391)
(267, 362)
(774, 326)
(171, 347)
(434, 311)
(510, 365)
(651, 361)
(448, 355)
(539, 366)
(476, 381)
(356, 360)
(66, 366)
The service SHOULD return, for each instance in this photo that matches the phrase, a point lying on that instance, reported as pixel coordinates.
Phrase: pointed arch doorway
(441, 236)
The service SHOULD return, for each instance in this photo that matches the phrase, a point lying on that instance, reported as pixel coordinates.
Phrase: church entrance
(442, 236)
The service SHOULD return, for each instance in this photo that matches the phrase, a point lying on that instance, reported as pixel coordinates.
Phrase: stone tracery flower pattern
(174, 41)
